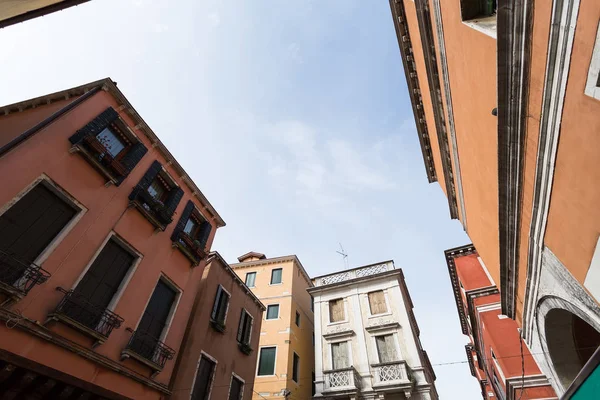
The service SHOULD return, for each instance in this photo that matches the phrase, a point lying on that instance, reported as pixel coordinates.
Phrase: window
(273, 311)
(312, 304)
(113, 143)
(266, 361)
(386, 348)
(236, 389)
(314, 386)
(295, 368)
(250, 279)
(219, 311)
(276, 276)
(336, 310)
(377, 302)
(158, 189)
(191, 233)
(473, 9)
(497, 386)
(245, 328)
(204, 379)
(297, 319)
(339, 355)
(592, 85)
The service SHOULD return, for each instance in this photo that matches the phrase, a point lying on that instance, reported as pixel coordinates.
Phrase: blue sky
(292, 118)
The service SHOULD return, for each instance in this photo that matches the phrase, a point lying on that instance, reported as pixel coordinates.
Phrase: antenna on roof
(344, 256)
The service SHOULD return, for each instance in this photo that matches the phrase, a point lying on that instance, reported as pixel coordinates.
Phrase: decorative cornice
(380, 327)
(514, 384)
(451, 254)
(412, 81)
(469, 350)
(514, 53)
(435, 91)
(339, 334)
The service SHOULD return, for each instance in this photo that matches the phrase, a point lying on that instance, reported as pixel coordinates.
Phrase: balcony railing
(392, 373)
(342, 379)
(77, 311)
(18, 276)
(153, 209)
(149, 350)
(355, 273)
(101, 154)
(193, 249)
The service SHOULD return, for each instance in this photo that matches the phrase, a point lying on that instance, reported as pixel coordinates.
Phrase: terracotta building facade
(103, 239)
(495, 343)
(507, 108)
(220, 347)
(286, 356)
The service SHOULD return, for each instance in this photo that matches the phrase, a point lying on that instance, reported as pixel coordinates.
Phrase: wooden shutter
(158, 309)
(175, 195)
(339, 355)
(203, 379)
(213, 315)
(248, 329)
(377, 302)
(149, 176)
(185, 216)
(336, 310)
(240, 333)
(386, 348)
(266, 363)
(235, 393)
(205, 229)
(131, 159)
(295, 367)
(95, 126)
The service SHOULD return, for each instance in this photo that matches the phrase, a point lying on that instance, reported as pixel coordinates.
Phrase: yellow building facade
(286, 358)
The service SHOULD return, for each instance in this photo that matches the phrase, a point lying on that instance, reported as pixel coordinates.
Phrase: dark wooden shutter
(147, 179)
(131, 159)
(240, 333)
(266, 361)
(235, 393)
(95, 126)
(205, 230)
(213, 315)
(248, 329)
(185, 216)
(175, 195)
(157, 311)
(29, 226)
(203, 379)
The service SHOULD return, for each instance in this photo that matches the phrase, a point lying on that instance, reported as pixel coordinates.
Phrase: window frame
(281, 277)
(345, 320)
(267, 312)
(212, 378)
(295, 367)
(297, 321)
(592, 85)
(246, 279)
(260, 349)
(240, 379)
(248, 315)
(348, 352)
(394, 336)
(385, 299)
(223, 290)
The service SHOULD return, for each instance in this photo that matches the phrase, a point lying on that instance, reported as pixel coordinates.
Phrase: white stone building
(367, 342)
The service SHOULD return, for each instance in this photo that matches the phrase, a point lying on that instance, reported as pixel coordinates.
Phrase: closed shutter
(235, 392)
(205, 229)
(175, 195)
(266, 362)
(276, 276)
(185, 216)
(147, 179)
(386, 348)
(95, 126)
(339, 355)
(203, 380)
(296, 367)
(213, 315)
(336, 310)
(248, 329)
(377, 302)
(240, 333)
(131, 159)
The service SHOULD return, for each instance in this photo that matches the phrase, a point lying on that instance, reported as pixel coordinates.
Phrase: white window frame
(387, 304)
(212, 378)
(345, 320)
(592, 88)
(348, 348)
(497, 365)
(267, 311)
(239, 378)
(271, 277)
(246, 278)
(130, 272)
(258, 361)
(45, 180)
(228, 303)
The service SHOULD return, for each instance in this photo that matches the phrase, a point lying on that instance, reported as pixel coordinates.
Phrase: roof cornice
(451, 254)
(275, 260)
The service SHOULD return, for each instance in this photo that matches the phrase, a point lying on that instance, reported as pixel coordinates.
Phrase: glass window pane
(295, 367)
(250, 279)
(297, 319)
(276, 276)
(111, 141)
(189, 226)
(273, 311)
(266, 363)
(156, 189)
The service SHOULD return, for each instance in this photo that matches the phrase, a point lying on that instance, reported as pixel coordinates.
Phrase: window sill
(337, 322)
(245, 348)
(218, 326)
(485, 25)
(379, 315)
(127, 353)
(111, 178)
(193, 256)
(59, 317)
(275, 284)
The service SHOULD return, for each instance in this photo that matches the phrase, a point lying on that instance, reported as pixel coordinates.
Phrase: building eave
(39, 12)
(349, 282)
(450, 255)
(275, 260)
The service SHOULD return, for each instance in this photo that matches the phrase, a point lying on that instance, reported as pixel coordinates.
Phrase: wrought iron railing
(103, 156)
(391, 372)
(151, 205)
(78, 308)
(19, 274)
(150, 348)
(342, 379)
(355, 273)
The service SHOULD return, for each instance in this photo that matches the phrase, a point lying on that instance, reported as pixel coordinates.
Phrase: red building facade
(498, 357)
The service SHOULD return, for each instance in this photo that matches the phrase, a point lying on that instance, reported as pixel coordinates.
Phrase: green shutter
(266, 364)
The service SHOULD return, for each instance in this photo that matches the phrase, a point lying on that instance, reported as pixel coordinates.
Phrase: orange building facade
(506, 99)
(103, 241)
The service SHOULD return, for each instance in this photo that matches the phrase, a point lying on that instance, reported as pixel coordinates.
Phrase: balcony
(392, 375)
(154, 210)
(78, 312)
(356, 273)
(148, 350)
(341, 381)
(18, 277)
(100, 158)
(193, 249)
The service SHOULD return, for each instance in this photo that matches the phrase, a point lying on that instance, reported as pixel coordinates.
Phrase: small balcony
(392, 375)
(154, 210)
(148, 350)
(193, 249)
(341, 381)
(100, 158)
(18, 277)
(78, 312)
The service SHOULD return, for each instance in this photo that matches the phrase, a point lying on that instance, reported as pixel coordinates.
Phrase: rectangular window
(158, 189)
(386, 349)
(312, 304)
(336, 310)
(339, 355)
(204, 378)
(113, 143)
(276, 276)
(273, 311)
(296, 368)
(297, 319)
(219, 312)
(377, 302)
(237, 389)
(245, 328)
(250, 279)
(314, 386)
(191, 228)
(266, 361)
